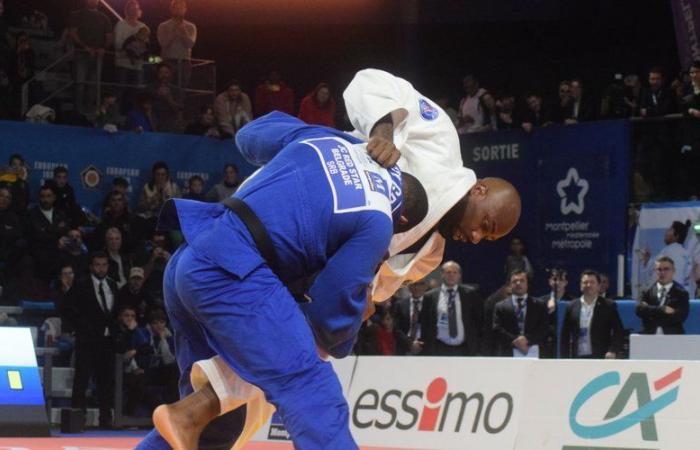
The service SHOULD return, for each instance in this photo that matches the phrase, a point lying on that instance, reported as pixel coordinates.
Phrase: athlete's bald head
(490, 210)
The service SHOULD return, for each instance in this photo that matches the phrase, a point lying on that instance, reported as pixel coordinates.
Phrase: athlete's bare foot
(182, 422)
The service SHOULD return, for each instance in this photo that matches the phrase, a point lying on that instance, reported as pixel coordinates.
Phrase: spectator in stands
(166, 101)
(195, 189)
(505, 105)
(535, 116)
(517, 259)
(689, 134)
(562, 107)
(107, 115)
(162, 369)
(119, 260)
(23, 63)
(657, 100)
(63, 283)
(605, 286)
(91, 314)
(121, 185)
(116, 214)
(91, 33)
(153, 260)
(154, 193)
(228, 185)
(130, 340)
(443, 102)
(471, 114)
(520, 323)
(633, 94)
(65, 196)
(141, 118)
(19, 185)
(233, 109)
(74, 252)
(490, 113)
(128, 70)
(454, 323)
(410, 313)
(592, 327)
(11, 231)
(45, 226)
(581, 108)
(205, 125)
(489, 344)
(674, 238)
(558, 281)
(274, 94)
(383, 338)
(134, 296)
(318, 108)
(176, 37)
(664, 307)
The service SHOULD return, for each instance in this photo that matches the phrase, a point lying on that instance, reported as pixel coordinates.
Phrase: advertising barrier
(500, 403)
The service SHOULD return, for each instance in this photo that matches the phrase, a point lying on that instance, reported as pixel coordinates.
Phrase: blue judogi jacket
(327, 208)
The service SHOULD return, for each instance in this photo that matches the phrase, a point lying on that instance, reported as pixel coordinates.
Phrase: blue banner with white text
(573, 181)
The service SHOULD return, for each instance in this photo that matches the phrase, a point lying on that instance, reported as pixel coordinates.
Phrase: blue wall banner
(94, 157)
(573, 181)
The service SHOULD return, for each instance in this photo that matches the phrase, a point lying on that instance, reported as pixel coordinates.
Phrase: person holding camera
(74, 252)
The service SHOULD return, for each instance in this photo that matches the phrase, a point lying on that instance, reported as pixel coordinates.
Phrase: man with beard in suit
(592, 327)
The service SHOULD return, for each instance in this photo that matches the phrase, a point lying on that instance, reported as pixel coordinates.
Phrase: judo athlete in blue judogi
(329, 210)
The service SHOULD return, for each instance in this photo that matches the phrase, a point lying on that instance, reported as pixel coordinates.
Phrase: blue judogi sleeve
(262, 139)
(339, 292)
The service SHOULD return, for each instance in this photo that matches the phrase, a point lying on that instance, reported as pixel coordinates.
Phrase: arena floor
(116, 440)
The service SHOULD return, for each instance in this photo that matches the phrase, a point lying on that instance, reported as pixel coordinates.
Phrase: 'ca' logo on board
(636, 386)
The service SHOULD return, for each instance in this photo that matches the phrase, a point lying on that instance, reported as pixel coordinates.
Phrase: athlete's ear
(403, 220)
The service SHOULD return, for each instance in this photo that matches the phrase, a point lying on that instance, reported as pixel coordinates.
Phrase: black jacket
(605, 329)
(658, 103)
(505, 324)
(652, 314)
(84, 315)
(472, 305)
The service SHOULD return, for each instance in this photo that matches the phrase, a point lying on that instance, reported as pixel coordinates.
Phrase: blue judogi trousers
(257, 327)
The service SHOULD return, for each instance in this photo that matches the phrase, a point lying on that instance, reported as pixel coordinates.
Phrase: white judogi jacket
(429, 146)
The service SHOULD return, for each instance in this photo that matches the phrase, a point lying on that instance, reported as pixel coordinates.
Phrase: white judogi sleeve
(430, 151)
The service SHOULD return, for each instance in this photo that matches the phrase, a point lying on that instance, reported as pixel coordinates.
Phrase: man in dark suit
(664, 307)
(411, 313)
(520, 321)
(489, 343)
(91, 314)
(581, 108)
(592, 327)
(454, 320)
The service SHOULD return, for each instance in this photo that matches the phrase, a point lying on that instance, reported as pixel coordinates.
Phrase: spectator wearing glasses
(663, 307)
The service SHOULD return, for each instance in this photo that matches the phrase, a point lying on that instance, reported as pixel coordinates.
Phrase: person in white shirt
(233, 108)
(673, 238)
(128, 71)
(470, 117)
(176, 37)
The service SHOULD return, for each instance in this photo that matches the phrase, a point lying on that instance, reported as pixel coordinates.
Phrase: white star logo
(572, 178)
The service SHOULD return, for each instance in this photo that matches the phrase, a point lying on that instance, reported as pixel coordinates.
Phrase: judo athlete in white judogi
(329, 211)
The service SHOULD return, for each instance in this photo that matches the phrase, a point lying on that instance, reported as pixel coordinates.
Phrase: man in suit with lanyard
(411, 313)
(91, 313)
(453, 325)
(664, 306)
(520, 322)
(592, 327)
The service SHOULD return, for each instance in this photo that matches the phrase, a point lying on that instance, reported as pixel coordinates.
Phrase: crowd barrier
(458, 403)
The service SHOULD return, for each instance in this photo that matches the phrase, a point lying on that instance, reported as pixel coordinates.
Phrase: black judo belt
(264, 244)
